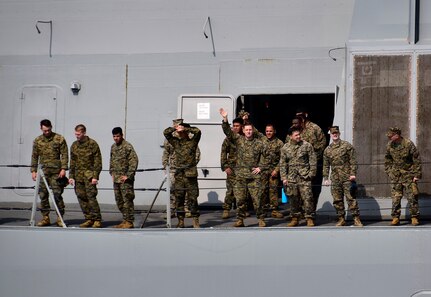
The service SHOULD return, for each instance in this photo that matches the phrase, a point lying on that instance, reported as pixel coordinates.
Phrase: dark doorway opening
(280, 109)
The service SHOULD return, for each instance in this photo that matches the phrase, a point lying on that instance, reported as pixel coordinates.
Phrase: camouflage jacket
(297, 162)
(341, 158)
(123, 161)
(185, 149)
(52, 152)
(314, 135)
(273, 147)
(168, 156)
(402, 161)
(85, 160)
(250, 153)
(227, 155)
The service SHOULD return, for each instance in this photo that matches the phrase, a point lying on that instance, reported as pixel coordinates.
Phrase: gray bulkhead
(371, 261)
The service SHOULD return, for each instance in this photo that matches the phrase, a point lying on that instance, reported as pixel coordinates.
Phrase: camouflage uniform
(402, 164)
(341, 157)
(250, 154)
(86, 164)
(228, 160)
(168, 159)
(298, 167)
(124, 162)
(52, 153)
(314, 135)
(270, 184)
(186, 182)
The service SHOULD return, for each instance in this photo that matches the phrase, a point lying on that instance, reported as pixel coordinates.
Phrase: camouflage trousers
(124, 196)
(186, 186)
(86, 194)
(57, 190)
(172, 194)
(411, 192)
(229, 199)
(252, 186)
(339, 190)
(300, 194)
(270, 186)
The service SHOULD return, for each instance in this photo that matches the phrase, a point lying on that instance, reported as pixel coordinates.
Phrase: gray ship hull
(321, 261)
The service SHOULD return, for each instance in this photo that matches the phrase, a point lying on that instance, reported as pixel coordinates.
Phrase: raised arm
(226, 127)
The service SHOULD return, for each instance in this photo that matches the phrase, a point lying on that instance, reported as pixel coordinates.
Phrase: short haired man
(122, 167)
(341, 158)
(85, 168)
(186, 182)
(250, 163)
(168, 159)
(298, 166)
(271, 176)
(50, 150)
(228, 159)
(314, 135)
(404, 168)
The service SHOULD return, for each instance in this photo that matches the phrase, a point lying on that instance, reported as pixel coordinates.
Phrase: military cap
(393, 130)
(334, 129)
(177, 121)
(243, 113)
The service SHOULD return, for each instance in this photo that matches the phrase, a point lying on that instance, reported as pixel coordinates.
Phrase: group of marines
(254, 164)
(257, 162)
(51, 151)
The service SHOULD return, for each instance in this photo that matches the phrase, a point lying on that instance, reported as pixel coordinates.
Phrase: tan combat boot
(239, 223)
(293, 223)
(87, 224)
(196, 223)
(395, 221)
(225, 214)
(415, 221)
(59, 223)
(262, 223)
(119, 226)
(357, 221)
(341, 222)
(97, 224)
(310, 222)
(276, 214)
(44, 222)
(127, 225)
(180, 222)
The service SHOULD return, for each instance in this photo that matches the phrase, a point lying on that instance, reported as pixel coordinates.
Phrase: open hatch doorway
(280, 109)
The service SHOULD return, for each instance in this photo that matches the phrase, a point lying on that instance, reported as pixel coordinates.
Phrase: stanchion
(36, 194)
(168, 203)
(154, 200)
(41, 174)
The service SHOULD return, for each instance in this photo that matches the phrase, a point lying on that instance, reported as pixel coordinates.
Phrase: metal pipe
(208, 22)
(50, 35)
